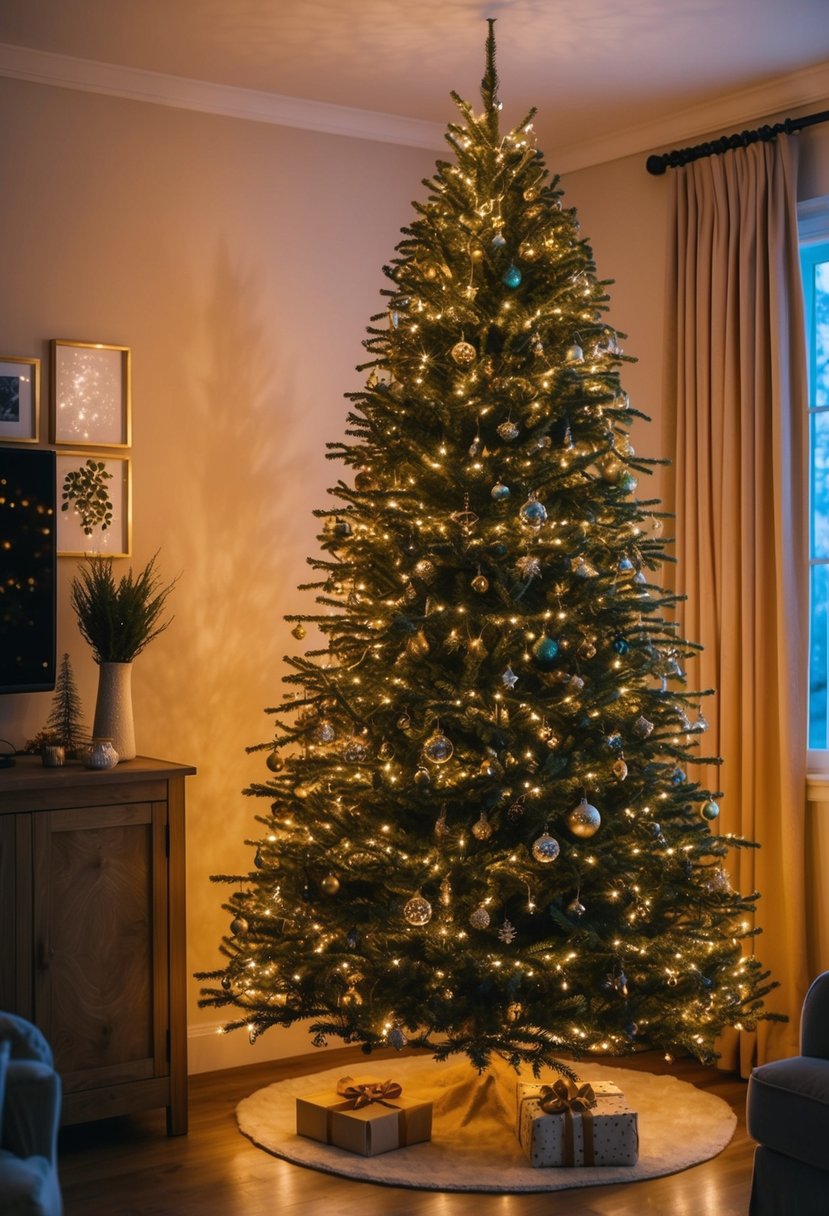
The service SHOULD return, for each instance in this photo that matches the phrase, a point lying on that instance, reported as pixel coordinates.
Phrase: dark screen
(27, 570)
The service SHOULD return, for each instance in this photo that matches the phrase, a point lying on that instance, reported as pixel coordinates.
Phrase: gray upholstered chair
(788, 1113)
(30, 1108)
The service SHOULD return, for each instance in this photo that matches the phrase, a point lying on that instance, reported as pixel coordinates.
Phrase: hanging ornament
(441, 826)
(341, 527)
(482, 828)
(537, 345)
(479, 918)
(330, 884)
(417, 645)
(259, 859)
(677, 776)
(625, 565)
(574, 354)
(508, 932)
(480, 583)
(701, 724)
(499, 240)
(356, 749)
(584, 820)
(396, 1038)
(463, 353)
(528, 567)
(551, 739)
(620, 769)
(709, 810)
(628, 483)
(226, 983)
(533, 513)
(575, 683)
(437, 749)
(545, 653)
(324, 732)
(642, 726)
(239, 926)
(351, 997)
(511, 277)
(583, 568)
(422, 777)
(404, 721)
(298, 631)
(491, 769)
(465, 519)
(516, 810)
(545, 849)
(587, 650)
(576, 907)
(509, 679)
(500, 492)
(446, 892)
(475, 446)
(621, 645)
(508, 431)
(417, 911)
(364, 481)
(352, 939)
(425, 571)
(610, 467)
(275, 761)
(385, 751)
(514, 1011)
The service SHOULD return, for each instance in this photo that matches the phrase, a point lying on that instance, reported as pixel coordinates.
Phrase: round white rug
(474, 1146)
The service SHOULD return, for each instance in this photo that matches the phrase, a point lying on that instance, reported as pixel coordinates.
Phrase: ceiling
(594, 68)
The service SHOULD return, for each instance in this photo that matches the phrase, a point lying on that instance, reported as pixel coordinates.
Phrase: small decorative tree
(65, 723)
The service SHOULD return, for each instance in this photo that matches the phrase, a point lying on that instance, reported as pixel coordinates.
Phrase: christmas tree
(483, 836)
(65, 723)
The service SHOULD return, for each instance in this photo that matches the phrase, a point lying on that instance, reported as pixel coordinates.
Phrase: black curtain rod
(683, 156)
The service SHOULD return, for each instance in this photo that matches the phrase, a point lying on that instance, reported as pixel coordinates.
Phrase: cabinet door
(100, 937)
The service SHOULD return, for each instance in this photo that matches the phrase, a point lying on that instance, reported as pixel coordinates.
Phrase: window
(815, 268)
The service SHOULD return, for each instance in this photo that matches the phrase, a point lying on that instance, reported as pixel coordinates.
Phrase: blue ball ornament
(710, 810)
(625, 565)
(499, 240)
(533, 513)
(621, 645)
(678, 776)
(628, 483)
(545, 652)
(500, 492)
(511, 277)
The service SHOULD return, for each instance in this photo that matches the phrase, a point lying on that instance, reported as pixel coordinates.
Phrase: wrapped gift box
(605, 1134)
(376, 1127)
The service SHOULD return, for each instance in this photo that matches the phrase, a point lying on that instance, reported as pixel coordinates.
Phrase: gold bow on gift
(565, 1095)
(361, 1094)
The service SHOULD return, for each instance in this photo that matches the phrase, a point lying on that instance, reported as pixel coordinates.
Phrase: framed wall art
(94, 510)
(19, 399)
(91, 404)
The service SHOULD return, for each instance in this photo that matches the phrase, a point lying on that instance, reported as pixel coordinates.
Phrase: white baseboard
(210, 1050)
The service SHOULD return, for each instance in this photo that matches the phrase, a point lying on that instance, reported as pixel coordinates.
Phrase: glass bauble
(500, 492)
(710, 810)
(533, 513)
(274, 762)
(239, 926)
(584, 820)
(482, 828)
(620, 769)
(325, 732)
(508, 431)
(479, 918)
(480, 583)
(511, 277)
(546, 849)
(298, 631)
(417, 911)
(425, 570)
(437, 748)
(356, 749)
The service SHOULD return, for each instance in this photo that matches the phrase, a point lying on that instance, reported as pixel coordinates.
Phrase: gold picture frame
(85, 532)
(91, 394)
(19, 399)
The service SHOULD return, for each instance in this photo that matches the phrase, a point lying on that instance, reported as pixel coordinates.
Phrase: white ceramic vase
(113, 708)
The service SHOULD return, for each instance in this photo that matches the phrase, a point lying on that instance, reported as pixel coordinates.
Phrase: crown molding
(90, 76)
(746, 108)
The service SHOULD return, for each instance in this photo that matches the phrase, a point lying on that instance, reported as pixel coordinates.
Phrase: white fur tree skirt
(473, 1146)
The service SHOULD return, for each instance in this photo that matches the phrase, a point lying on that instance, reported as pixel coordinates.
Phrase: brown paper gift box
(612, 1137)
(371, 1130)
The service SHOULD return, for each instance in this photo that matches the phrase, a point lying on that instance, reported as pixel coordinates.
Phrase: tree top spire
(489, 84)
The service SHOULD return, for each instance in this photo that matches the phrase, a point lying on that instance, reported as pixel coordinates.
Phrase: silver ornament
(576, 907)
(425, 570)
(437, 748)
(508, 431)
(479, 918)
(584, 820)
(325, 732)
(546, 849)
(642, 726)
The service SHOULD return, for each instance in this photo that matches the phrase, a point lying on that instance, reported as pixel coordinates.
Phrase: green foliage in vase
(85, 489)
(481, 836)
(119, 618)
(65, 723)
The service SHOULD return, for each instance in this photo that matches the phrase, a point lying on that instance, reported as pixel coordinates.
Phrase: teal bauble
(709, 810)
(533, 513)
(500, 492)
(511, 277)
(545, 652)
(621, 645)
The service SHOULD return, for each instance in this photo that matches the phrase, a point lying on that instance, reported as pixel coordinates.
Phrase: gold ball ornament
(479, 918)
(482, 828)
(480, 583)
(275, 762)
(463, 353)
(417, 911)
(298, 631)
(330, 884)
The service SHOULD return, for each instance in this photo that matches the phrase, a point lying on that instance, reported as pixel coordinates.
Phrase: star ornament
(509, 678)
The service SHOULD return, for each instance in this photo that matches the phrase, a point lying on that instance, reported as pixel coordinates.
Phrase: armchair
(787, 1111)
(30, 1110)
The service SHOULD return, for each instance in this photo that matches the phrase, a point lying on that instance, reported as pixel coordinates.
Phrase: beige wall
(241, 263)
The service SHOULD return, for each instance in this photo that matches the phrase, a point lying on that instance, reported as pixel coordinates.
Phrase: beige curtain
(739, 364)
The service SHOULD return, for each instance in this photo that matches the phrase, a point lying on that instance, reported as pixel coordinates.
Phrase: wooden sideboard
(92, 884)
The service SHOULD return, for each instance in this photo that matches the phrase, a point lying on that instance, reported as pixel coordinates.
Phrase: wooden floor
(118, 1167)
